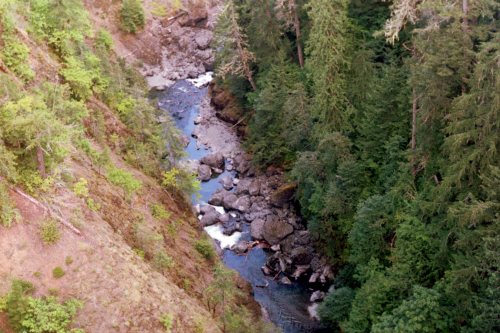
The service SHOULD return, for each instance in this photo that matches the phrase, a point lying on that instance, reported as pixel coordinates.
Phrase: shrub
(81, 188)
(68, 261)
(38, 315)
(181, 180)
(93, 206)
(167, 320)
(79, 78)
(132, 15)
(206, 249)
(34, 183)
(104, 40)
(49, 232)
(163, 261)
(15, 56)
(159, 212)
(124, 179)
(58, 272)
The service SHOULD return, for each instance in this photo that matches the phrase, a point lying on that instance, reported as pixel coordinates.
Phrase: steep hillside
(93, 206)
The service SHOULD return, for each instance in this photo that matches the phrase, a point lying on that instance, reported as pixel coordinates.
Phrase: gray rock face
(217, 198)
(232, 228)
(203, 41)
(215, 160)
(210, 218)
(257, 228)
(204, 173)
(275, 230)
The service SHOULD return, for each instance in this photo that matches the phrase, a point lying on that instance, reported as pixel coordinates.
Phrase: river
(285, 305)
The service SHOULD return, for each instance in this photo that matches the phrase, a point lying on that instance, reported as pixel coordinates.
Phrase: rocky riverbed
(250, 213)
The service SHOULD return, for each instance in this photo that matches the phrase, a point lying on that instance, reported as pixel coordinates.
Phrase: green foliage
(205, 248)
(81, 188)
(15, 55)
(58, 272)
(8, 213)
(80, 79)
(159, 212)
(421, 313)
(49, 231)
(104, 40)
(336, 306)
(163, 261)
(167, 320)
(38, 315)
(132, 15)
(181, 180)
(124, 179)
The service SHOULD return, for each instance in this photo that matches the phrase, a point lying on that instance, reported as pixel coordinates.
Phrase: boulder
(195, 19)
(242, 187)
(285, 280)
(283, 195)
(227, 182)
(224, 218)
(229, 200)
(275, 230)
(317, 296)
(215, 160)
(242, 204)
(217, 198)
(210, 218)
(300, 270)
(204, 173)
(254, 188)
(301, 256)
(206, 209)
(256, 229)
(266, 270)
(202, 40)
(232, 228)
(314, 277)
(241, 247)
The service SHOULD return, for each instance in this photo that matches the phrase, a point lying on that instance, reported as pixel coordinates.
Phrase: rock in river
(204, 173)
(215, 160)
(275, 230)
(256, 229)
(210, 218)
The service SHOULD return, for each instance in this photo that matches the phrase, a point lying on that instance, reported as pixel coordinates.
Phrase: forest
(386, 115)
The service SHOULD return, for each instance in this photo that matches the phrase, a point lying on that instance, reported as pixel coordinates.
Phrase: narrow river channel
(285, 305)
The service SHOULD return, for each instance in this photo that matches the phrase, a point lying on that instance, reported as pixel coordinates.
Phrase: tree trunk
(465, 11)
(296, 24)
(40, 160)
(414, 109)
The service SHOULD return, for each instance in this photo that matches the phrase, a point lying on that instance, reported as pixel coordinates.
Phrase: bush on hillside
(132, 16)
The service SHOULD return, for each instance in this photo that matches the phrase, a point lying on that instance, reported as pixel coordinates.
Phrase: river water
(286, 305)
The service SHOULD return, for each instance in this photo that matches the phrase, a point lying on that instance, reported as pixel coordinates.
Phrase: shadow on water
(286, 305)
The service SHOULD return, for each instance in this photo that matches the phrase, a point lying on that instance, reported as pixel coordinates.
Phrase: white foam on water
(215, 231)
(219, 209)
(202, 80)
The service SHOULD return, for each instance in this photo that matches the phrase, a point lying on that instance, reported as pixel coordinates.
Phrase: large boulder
(204, 173)
(254, 188)
(275, 230)
(301, 256)
(241, 247)
(257, 228)
(227, 182)
(228, 200)
(210, 218)
(217, 198)
(207, 209)
(215, 160)
(242, 204)
(243, 186)
(283, 194)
